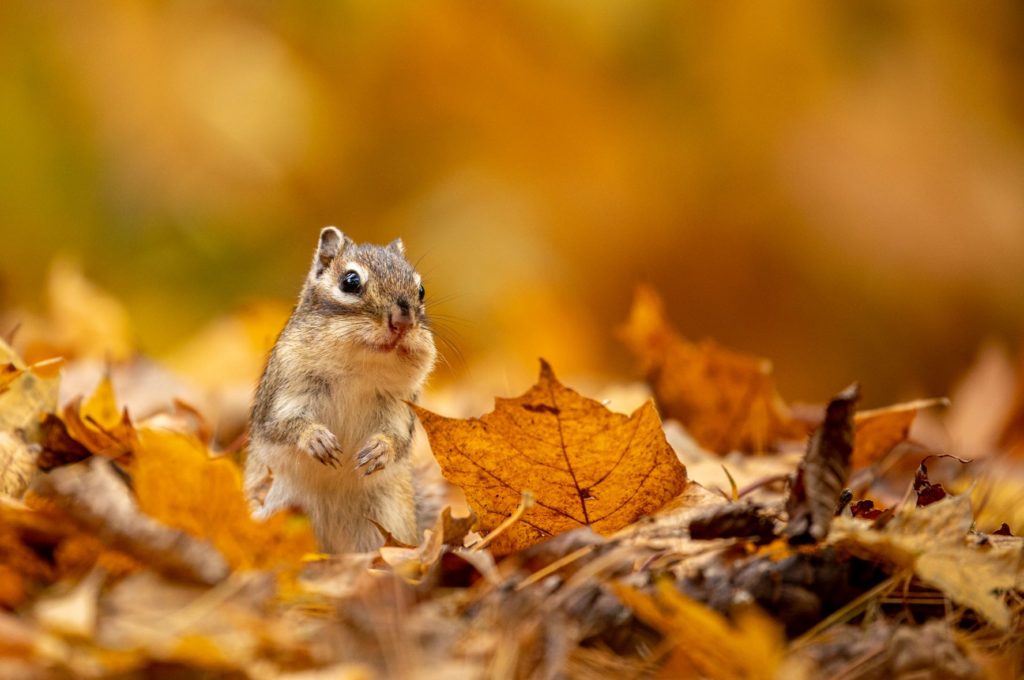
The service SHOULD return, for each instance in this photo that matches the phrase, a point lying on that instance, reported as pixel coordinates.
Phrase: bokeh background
(837, 186)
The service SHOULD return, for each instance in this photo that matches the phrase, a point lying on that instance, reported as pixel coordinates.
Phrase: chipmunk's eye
(423, 292)
(351, 283)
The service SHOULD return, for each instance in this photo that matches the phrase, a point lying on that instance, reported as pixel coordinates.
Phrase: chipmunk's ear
(332, 242)
(397, 247)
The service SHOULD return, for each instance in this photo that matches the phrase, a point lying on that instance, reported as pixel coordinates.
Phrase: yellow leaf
(28, 395)
(930, 540)
(8, 373)
(177, 483)
(101, 406)
(705, 643)
(17, 464)
(585, 465)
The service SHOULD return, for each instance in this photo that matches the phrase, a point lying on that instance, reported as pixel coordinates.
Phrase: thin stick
(554, 566)
(764, 481)
(846, 611)
(525, 504)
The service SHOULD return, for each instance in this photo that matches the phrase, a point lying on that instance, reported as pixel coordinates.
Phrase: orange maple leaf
(584, 464)
(177, 483)
(725, 399)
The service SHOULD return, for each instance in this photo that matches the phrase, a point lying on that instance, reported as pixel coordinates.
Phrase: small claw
(372, 458)
(376, 467)
(323, 447)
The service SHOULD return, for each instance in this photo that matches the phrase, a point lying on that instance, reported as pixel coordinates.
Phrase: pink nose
(400, 319)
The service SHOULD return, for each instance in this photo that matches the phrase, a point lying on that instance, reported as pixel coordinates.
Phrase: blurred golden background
(837, 186)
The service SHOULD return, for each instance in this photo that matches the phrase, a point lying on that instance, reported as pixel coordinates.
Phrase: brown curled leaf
(927, 492)
(865, 509)
(822, 473)
(59, 447)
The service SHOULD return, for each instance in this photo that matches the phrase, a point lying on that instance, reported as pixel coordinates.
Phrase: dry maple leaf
(725, 399)
(586, 465)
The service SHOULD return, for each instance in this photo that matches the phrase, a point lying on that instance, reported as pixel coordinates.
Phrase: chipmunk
(330, 421)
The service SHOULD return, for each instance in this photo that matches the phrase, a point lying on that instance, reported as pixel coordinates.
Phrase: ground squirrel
(331, 423)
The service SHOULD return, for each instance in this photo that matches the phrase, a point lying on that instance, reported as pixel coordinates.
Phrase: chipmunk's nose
(400, 318)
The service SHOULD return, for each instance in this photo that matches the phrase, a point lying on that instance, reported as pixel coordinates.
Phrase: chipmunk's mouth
(393, 341)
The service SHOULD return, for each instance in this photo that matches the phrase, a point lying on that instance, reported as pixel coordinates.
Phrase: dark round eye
(351, 283)
(423, 292)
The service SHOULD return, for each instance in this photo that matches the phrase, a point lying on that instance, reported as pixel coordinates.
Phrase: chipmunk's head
(374, 295)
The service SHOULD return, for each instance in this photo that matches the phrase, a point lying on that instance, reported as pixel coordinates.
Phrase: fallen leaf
(28, 395)
(8, 374)
(185, 418)
(413, 564)
(73, 613)
(206, 500)
(21, 567)
(703, 642)
(883, 649)
(927, 492)
(335, 576)
(84, 320)
(1011, 436)
(981, 402)
(585, 465)
(96, 496)
(17, 464)
(664, 530)
(930, 541)
(454, 529)
(98, 424)
(59, 447)
(733, 520)
(822, 473)
(725, 399)
(878, 431)
(865, 509)
(216, 629)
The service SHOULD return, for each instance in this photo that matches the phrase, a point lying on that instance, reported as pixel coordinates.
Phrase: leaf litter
(714, 532)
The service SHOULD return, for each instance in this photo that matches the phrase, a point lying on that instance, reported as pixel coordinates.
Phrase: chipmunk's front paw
(321, 444)
(375, 455)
